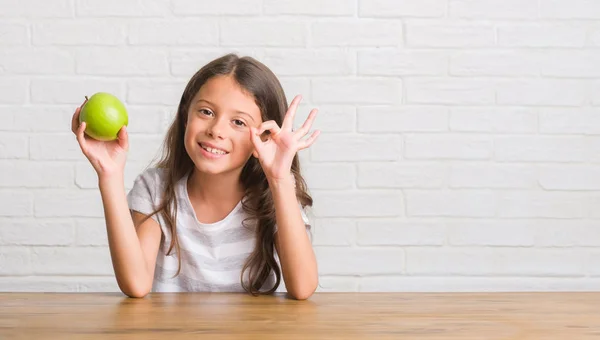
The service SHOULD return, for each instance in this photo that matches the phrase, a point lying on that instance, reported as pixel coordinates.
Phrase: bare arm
(133, 245)
(296, 255)
(276, 155)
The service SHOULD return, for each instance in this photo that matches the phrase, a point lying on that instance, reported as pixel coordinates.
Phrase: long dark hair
(258, 80)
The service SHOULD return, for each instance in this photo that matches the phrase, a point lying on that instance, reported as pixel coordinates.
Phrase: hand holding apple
(104, 115)
(107, 156)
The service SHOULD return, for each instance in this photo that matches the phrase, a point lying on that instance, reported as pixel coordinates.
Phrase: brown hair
(260, 82)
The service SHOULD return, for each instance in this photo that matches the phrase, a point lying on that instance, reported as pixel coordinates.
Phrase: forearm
(127, 256)
(297, 258)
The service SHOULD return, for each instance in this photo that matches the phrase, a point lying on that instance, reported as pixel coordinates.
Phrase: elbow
(135, 291)
(301, 294)
(138, 294)
(302, 291)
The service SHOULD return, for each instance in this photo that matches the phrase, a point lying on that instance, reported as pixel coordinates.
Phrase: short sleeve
(143, 197)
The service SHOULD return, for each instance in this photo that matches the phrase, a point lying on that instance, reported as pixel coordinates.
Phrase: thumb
(123, 138)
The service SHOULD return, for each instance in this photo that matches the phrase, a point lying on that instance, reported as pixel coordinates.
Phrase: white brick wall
(461, 142)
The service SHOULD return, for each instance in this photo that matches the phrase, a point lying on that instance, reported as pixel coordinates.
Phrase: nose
(216, 129)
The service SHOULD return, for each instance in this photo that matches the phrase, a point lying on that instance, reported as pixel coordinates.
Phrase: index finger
(288, 120)
(75, 119)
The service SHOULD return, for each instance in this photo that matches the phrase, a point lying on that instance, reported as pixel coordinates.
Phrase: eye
(206, 112)
(239, 122)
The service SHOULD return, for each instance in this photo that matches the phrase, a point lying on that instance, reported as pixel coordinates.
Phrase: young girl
(223, 210)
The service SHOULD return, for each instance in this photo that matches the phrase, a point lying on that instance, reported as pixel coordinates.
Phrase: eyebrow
(242, 112)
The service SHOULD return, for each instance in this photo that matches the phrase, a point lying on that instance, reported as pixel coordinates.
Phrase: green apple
(104, 115)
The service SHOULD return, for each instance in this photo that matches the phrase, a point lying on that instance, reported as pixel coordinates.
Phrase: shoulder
(149, 181)
(152, 174)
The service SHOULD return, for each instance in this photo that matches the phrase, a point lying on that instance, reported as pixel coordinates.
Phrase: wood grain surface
(108, 316)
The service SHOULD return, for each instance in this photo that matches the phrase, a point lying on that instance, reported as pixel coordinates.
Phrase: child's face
(219, 118)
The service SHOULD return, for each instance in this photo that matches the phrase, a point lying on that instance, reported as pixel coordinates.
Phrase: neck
(215, 189)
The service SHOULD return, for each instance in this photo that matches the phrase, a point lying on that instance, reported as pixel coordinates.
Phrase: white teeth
(215, 151)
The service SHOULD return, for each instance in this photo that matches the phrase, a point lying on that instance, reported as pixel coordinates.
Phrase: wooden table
(567, 316)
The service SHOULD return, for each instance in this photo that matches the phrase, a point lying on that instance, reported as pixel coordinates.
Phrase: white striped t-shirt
(212, 254)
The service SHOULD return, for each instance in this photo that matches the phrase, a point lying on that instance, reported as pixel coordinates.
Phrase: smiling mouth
(213, 150)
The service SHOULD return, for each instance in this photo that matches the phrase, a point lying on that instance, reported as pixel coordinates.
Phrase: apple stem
(86, 98)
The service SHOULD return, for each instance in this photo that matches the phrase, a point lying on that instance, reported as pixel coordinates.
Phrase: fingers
(123, 138)
(302, 131)
(303, 144)
(255, 138)
(269, 125)
(81, 138)
(288, 120)
(75, 119)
